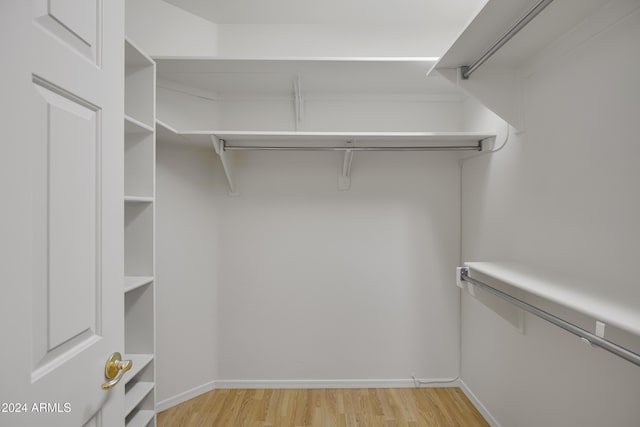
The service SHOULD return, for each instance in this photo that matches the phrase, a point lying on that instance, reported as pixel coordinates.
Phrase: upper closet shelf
(507, 35)
(562, 290)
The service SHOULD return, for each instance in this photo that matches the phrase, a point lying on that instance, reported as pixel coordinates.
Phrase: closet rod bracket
(344, 179)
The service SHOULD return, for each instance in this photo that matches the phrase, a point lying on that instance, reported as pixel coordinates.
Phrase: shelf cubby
(138, 237)
(139, 85)
(139, 164)
(138, 320)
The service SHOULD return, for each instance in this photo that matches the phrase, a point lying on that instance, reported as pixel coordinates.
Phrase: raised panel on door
(76, 23)
(66, 294)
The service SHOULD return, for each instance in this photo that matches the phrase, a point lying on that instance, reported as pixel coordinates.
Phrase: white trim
(301, 58)
(324, 384)
(184, 396)
(479, 406)
(316, 384)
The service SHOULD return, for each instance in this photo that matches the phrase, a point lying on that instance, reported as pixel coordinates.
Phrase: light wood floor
(325, 408)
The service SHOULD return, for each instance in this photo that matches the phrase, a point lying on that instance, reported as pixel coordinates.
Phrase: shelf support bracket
(344, 180)
(218, 145)
(298, 102)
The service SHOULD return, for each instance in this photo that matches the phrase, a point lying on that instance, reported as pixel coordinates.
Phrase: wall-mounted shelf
(225, 141)
(203, 137)
(133, 126)
(497, 83)
(138, 199)
(398, 138)
(564, 291)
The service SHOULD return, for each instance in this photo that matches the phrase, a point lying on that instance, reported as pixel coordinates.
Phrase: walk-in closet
(331, 213)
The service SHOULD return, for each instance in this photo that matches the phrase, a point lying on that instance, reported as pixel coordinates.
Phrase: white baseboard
(184, 396)
(479, 406)
(306, 384)
(311, 384)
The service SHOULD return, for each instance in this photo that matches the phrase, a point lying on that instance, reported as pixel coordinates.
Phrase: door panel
(70, 285)
(75, 23)
(61, 237)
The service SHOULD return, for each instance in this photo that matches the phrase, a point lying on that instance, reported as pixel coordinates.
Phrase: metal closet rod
(467, 70)
(477, 147)
(569, 327)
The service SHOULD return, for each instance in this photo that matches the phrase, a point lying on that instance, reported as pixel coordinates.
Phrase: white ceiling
(335, 12)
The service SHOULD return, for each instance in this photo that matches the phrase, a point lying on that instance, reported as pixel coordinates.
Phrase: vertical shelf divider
(139, 251)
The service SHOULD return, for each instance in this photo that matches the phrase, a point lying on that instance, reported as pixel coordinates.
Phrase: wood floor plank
(406, 407)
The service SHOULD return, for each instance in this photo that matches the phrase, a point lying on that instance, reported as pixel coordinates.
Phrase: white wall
(320, 284)
(162, 29)
(186, 325)
(295, 280)
(341, 114)
(563, 195)
(184, 111)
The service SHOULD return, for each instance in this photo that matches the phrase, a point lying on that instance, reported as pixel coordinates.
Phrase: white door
(61, 225)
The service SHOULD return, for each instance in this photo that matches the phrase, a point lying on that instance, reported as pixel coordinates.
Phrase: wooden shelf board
(140, 361)
(134, 126)
(135, 395)
(562, 290)
(141, 419)
(134, 282)
(356, 136)
(203, 137)
(138, 199)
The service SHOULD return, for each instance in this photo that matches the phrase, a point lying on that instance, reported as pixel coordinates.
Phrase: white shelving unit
(139, 251)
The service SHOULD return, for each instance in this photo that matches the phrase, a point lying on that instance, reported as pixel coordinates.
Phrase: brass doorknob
(114, 370)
